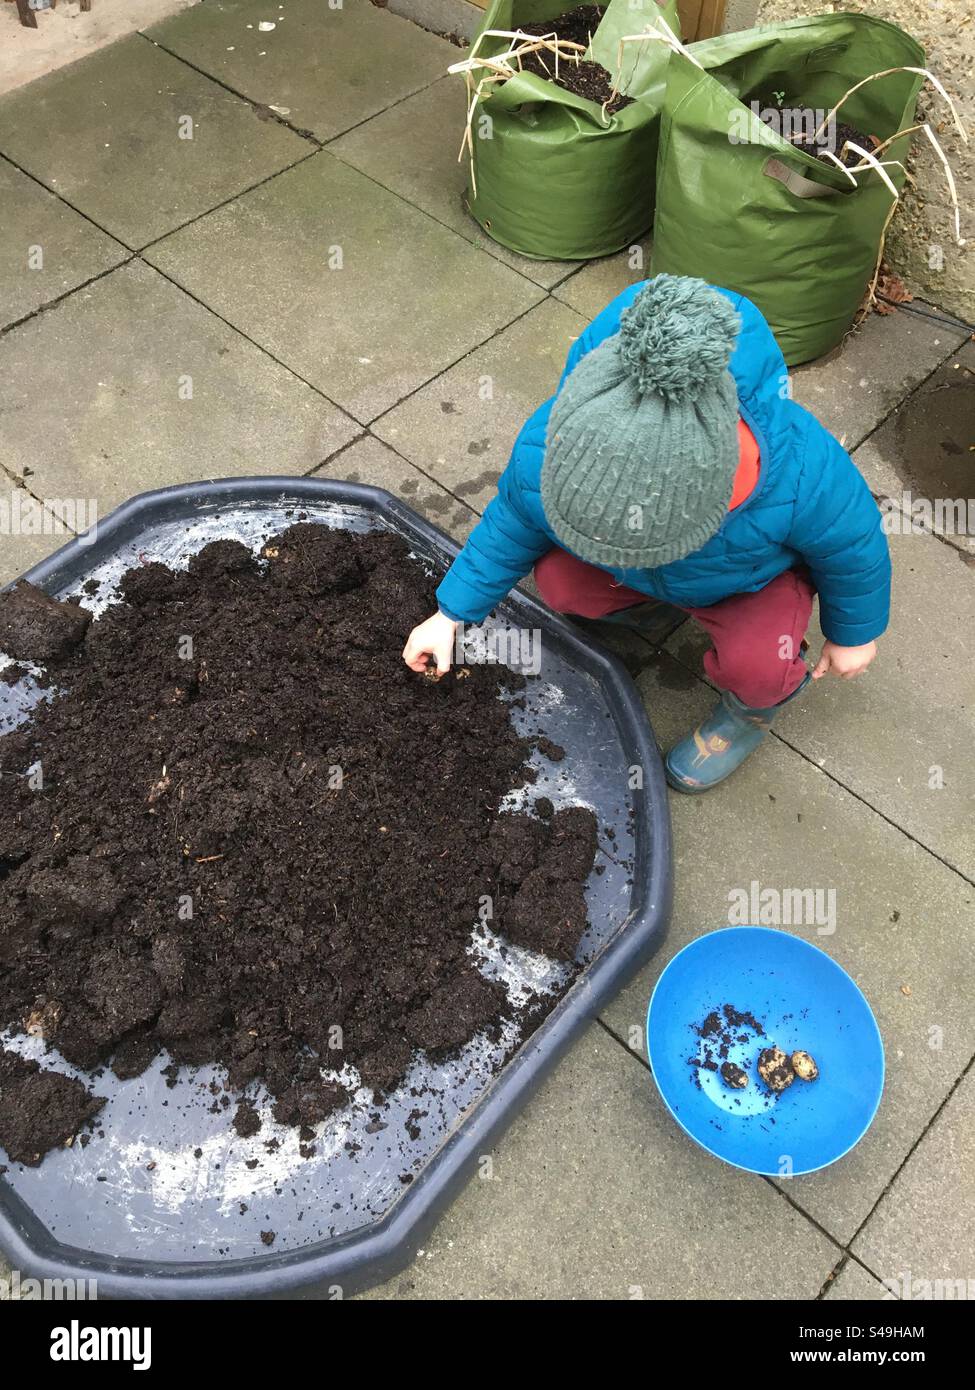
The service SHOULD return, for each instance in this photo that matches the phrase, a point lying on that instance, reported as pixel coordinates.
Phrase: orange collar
(749, 462)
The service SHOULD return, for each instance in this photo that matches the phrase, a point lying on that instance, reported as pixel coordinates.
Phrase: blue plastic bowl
(805, 1001)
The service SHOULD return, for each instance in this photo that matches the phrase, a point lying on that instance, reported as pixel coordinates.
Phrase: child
(673, 465)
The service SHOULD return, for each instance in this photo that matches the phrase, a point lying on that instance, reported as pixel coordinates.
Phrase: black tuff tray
(136, 1209)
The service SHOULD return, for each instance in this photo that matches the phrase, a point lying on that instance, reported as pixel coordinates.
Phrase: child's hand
(842, 661)
(433, 638)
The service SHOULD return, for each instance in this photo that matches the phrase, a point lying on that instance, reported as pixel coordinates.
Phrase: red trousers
(756, 638)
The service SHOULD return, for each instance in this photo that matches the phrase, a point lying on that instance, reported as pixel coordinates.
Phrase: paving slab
(47, 249)
(461, 19)
(20, 552)
(431, 176)
(924, 1228)
(461, 426)
(361, 294)
(900, 918)
(105, 134)
(62, 36)
(327, 66)
(634, 650)
(856, 1284)
(369, 461)
(129, 385)
(591, 288)
(594, 1194)
(923, 456)
(856, 386)
(901, 735)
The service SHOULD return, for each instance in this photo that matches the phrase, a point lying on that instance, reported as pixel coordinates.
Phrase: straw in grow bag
(560, 136)
(797, 228)
(836, 138)
(575, 73)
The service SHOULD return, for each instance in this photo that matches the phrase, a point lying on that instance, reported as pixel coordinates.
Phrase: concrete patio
(304, 259)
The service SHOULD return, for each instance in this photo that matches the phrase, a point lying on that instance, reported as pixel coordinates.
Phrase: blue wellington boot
(722, 743)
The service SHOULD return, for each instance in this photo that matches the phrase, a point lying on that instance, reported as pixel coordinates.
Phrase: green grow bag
(553, 180)
(753, 213)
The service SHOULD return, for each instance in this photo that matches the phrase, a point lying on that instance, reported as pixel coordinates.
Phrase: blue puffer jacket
(809, 506)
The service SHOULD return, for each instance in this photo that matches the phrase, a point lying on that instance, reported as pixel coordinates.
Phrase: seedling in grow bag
(797, 124)
(767, 224)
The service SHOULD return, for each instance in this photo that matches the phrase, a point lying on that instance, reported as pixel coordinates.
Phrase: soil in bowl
(717, 1033)
(258, 840)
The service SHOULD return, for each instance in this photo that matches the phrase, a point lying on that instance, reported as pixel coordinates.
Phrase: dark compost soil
(258, 839)
(717, 1033)
(805, 120)
(585, 79)
(844, 133)
(39, 1109)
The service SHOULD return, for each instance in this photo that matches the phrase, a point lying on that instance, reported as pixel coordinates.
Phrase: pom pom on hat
(677, 337)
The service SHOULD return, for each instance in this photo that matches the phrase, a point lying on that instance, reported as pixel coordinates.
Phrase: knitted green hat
(642, 443)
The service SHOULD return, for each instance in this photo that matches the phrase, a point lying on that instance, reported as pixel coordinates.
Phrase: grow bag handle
(798, 183)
